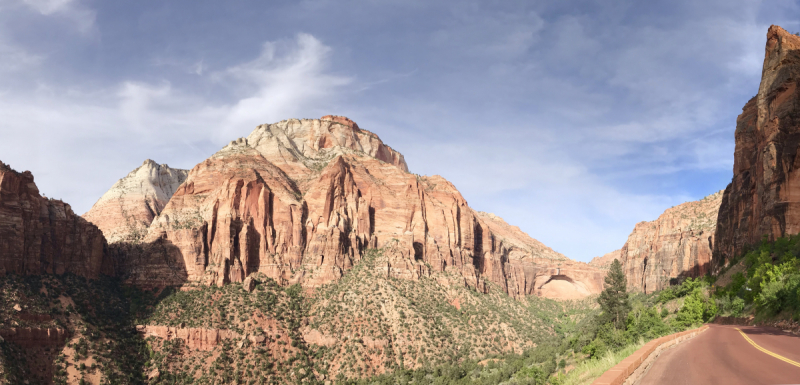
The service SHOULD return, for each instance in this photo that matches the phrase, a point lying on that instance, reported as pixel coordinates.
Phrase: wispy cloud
(82, 16)
(573, 120)
(279, 82)
(158, 120)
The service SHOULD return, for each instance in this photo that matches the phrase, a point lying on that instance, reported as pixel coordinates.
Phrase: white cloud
(81, 16)
(121, 126)
(277, 86)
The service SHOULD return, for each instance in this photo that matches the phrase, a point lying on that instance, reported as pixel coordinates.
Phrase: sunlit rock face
(763, 199)
(604, 261)
(43, 236)
(125, 211)
(302, 200)
(678, 244)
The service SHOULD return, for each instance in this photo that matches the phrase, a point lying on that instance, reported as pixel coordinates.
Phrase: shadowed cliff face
(764, 196)
(43, 236)
(302, 200)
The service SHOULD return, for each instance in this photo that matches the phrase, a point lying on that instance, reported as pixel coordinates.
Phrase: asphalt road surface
(731, 356)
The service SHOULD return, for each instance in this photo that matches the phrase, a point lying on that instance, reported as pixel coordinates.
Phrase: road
(723, 355)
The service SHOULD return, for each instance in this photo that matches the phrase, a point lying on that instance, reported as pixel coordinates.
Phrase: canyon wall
(763, 199)
(125, 211)
(604, 262)
(302, 200)
(40, 235)
(678, 244)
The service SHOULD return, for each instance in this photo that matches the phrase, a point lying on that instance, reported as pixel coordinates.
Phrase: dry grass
(588, 370)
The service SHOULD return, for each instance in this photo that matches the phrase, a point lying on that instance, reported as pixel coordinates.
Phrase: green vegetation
(371, 328)
(589, 338)
(768, 286)
(285, 357)
(94, 313)
(614, 299)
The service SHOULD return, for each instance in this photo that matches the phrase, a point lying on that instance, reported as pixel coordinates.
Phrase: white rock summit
(125, 211)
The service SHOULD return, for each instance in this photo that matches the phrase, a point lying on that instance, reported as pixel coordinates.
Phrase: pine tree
(614, 298)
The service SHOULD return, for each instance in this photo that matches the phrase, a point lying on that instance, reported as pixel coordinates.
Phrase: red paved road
(720, 355)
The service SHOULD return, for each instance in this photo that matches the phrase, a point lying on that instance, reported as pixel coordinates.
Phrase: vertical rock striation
(302, 200)
(40, 235)
(677, 244)
(125, 211)
(764, 196)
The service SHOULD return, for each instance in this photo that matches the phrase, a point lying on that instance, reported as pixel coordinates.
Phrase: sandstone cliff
(764, 196)
(677, 244)
(605, 261)
(301, 201)
(126, 210)
(40, 235)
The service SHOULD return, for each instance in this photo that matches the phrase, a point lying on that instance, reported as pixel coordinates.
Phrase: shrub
(666, 295)
(737, 306)
(691, 313)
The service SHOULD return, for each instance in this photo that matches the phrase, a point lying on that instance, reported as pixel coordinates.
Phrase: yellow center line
(778, 356)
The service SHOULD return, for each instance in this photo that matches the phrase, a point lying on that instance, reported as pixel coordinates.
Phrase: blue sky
(571, 119)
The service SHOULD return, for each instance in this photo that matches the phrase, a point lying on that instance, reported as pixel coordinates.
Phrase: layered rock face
(125, 211)
(764, 196)
(302, 200)
(677, 244)
(40, 235)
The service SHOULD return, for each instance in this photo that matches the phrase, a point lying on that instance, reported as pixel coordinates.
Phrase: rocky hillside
(363, 324)
(677, 244)
(764, 198)
(125, 211)
(303, 253)
(43, 236)
(300, 201)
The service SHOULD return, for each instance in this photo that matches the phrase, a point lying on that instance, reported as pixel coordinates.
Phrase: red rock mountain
(126, 210)
(678, 244)
(605, 261)
(301, 200)
(43, 236)
(764, 196)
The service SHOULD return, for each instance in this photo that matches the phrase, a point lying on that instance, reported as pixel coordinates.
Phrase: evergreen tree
(614, 298)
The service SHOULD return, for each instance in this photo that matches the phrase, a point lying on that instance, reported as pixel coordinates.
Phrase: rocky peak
(127, 209)
(302, 147)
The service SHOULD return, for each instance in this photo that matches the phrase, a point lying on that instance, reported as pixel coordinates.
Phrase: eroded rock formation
(125, 211)
(764, 196)
(677, 244)
(302, 200)
(40, 235)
